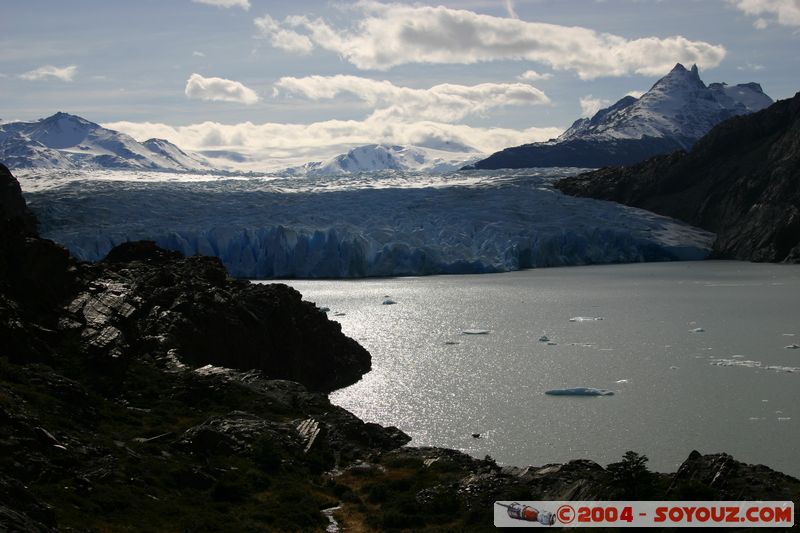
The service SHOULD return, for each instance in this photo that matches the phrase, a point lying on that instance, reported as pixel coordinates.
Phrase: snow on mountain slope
(672, 115)
(355, 225)
(84, 144)
(678, 106)
(169, 154)
(379, 157)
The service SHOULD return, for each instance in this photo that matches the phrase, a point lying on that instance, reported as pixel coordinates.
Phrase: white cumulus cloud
(279, 37)
(591, 105)
(219, 90)
(446, 102)
(532, 75)
(273, 146)
(244, 4)
(386, 35)
(784, 12)
(50, 72)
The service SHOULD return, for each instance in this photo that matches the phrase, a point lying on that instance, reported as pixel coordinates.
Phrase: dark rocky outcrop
(741, 181)
(581, 153)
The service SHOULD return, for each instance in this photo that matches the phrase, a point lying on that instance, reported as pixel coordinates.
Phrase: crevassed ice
(377, 225)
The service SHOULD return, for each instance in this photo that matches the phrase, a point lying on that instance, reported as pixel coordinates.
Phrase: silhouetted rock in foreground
(741, 181)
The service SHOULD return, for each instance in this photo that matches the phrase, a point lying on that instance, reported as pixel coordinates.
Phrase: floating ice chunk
(784, 418)
(792, 346)
(673, 368)
(753, 364)
(754, 418)
(475, 332)
(579, 391)
(788, 334)
(621, 381)
(737, 357)
(544, 338)
(585, 318)
(389, 301)
(776, 368)
(697, 330)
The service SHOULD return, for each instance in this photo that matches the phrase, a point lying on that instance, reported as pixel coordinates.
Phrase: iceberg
(475, 332)
(353, 226)
(579, 391)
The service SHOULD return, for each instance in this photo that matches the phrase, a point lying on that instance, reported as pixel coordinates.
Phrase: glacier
(375, 224)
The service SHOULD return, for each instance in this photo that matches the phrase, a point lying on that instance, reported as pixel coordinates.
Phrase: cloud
(51, 72)
(219, 90)
(591, 105)
(279, 37)
(244, 4)
(784, 12)
(444, 103)
(274, 145)
(388, 35)
(754, 67)
(510, 9)
(198, 54)
(532, 75)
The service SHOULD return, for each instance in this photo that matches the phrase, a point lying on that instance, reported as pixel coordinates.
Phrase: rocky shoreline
(153, 392)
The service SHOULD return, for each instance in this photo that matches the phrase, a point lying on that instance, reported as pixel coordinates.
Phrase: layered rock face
(740, 181)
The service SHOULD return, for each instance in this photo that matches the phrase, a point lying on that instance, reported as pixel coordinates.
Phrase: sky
(304, 80)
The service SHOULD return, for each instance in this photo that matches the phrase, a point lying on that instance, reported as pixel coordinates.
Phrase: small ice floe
(579, 391)
(673, 368)
(754, 418)
(544, 338)
(475, 332)
(737, 357)
(388, 301)
(621, 381)
(777, 368)
(324, 309)
(748, 363)
(697, 330)
(784, 418)
(792, 346)
(788, 334)
(585, 318)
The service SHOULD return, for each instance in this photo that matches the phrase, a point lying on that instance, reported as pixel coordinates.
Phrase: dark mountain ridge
(740, 181)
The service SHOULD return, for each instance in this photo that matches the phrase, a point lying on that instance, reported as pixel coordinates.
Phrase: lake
(695, 352)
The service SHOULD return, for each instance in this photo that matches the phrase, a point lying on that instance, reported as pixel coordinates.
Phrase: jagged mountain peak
(677, 110)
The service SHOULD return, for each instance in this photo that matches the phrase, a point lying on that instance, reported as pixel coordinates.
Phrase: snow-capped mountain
(68, 141)
(673, 114)
(378, 157)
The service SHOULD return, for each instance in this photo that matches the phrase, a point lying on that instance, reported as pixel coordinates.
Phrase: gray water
(674, 398)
